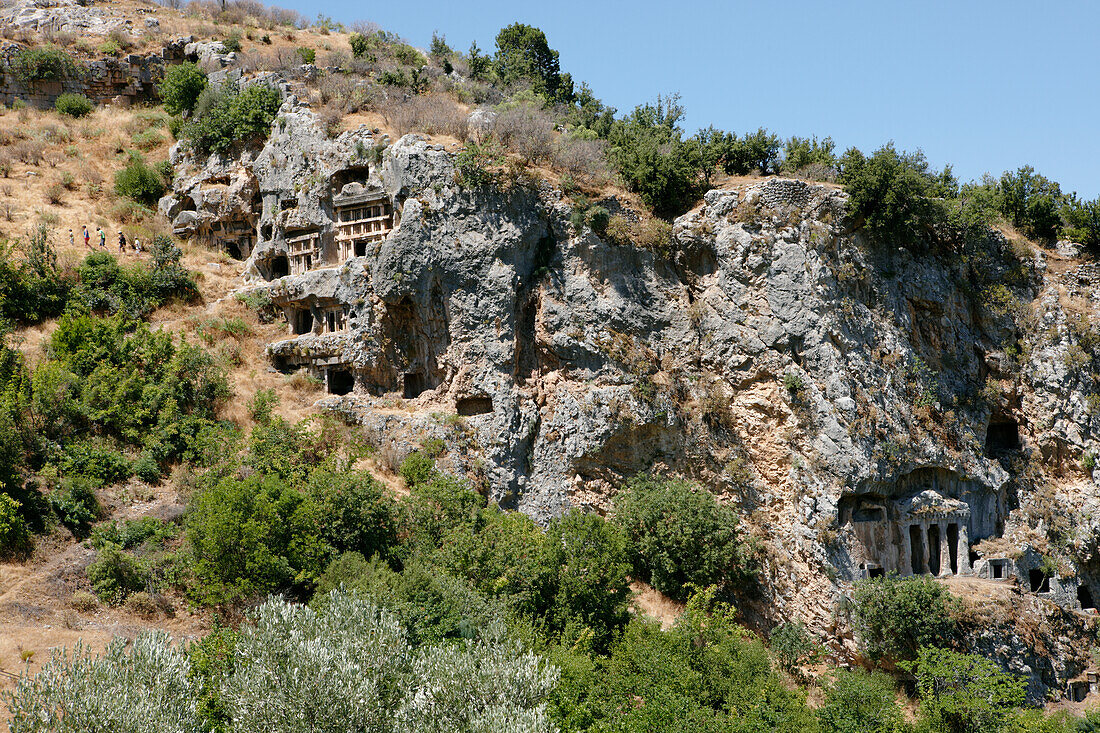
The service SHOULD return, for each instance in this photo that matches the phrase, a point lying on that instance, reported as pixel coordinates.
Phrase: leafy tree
(860, 702)
(226, 115)
(1082, 220)
(1031, 202)
(706, 673)
(647, 149)
(800, 152)
(181, 87)
(253, 536)
(678, 535)
(115, 574)
(523, 54)
(895, 617)
(347, 665)
(760, 150)
(478, 63)
(963, 693)
(582, 581)
(894, 194)
(355, 513)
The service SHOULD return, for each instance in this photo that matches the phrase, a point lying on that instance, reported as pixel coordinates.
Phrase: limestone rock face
(64, 16)
(870, 407)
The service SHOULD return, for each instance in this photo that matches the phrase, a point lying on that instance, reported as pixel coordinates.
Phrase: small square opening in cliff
(1084, 597)
(468, 406)
(302, 321)
(280, 267)
(1002, 436)
(339, 381)
(1038, 581)
(876, 572)
(414, 385)
(998, 569)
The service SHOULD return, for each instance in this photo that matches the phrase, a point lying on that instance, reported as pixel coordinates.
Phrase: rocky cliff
(870, 407)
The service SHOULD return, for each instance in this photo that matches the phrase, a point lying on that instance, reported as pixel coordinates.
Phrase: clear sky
(983, 85)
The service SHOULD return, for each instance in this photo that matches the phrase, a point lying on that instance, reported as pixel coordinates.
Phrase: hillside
(483, 385)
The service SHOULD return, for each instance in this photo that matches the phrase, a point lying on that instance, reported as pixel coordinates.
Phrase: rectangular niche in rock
(480, 405)
(339, 381)
(414, 385)
(999, 569)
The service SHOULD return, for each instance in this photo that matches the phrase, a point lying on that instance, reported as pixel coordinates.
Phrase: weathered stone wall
(131, 79)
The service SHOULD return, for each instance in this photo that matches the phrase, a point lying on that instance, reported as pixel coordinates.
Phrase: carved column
(945, 551)
(964, 551)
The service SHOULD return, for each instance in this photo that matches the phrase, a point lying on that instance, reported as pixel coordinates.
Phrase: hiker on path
(121, 243)
(137, 246)
(86, 245)
(71, 238)
(102, 238)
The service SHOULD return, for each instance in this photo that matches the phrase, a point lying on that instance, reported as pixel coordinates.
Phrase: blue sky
(985, 86)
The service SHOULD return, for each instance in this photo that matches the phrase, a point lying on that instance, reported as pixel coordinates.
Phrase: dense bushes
(894, 617)
(345, 665)
(679, 536)
(706, 673)
(73, 105)
(140, 182)
(50, 63)
(181, 87)
(225, 115)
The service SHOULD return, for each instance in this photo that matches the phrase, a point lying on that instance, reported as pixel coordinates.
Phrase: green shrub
(51, 63)
(146, 468)
(226, 115)
(115, 574)
(894, 194)
(963, 692)
(705, 674)
(793, 646)
(15, 536)
(308, 55)
(95, 461)
(253, 537)
(110, 47)
(359, 45)
(801, 152)
(598, 218)
(860, 702)
(181, 87)
(647, 150)
(1032, 203)
(678, 535)
(73, 105)
(894, 617)
(232, 44)
(140, 182)
(76, 505)
(356, 515)
(417, 468)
